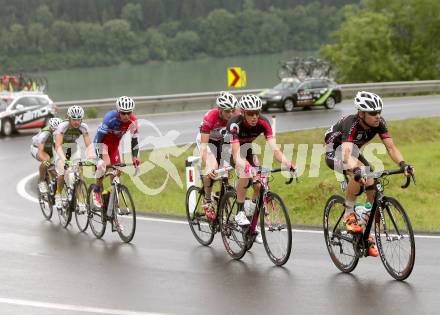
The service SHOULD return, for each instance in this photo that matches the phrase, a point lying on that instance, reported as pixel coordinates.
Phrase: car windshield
(4, 103)
(286, 85)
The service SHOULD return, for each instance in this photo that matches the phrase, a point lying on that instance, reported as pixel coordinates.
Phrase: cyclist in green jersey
(65, 136)
(42, 151)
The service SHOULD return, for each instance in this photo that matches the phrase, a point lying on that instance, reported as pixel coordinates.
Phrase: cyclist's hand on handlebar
(407, 168)
(46, 163)
(359, 176)
(249, 170)
(212, 174)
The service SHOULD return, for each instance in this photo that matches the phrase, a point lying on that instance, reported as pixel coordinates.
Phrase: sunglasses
(227, 111)
(125, 113)
(374, 113)
(252, 113)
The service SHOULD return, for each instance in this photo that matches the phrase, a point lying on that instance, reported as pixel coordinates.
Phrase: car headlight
(276, 97)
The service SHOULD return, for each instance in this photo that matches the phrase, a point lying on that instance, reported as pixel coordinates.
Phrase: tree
(363, 51)
(132, 13)
(44, 16)
(184, 46)
(156, 43)
(119, 38)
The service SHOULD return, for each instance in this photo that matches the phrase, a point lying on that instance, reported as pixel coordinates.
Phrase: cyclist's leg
(42, 168)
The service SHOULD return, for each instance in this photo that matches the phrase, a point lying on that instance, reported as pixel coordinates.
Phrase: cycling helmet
(368, 102)
(226, 100)
(75, 112)
(250, 102)
(125, 104)
(54, 122)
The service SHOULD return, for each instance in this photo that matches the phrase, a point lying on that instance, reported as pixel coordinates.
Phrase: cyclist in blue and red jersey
(113, 127)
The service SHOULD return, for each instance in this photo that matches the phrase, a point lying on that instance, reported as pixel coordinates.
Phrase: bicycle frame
(378, 205)
(262, 179)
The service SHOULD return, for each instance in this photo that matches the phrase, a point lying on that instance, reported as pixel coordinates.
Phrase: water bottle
(362, 212)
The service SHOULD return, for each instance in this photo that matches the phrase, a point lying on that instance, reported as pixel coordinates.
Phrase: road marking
(69, 307)
(22, 192)
(21, 188)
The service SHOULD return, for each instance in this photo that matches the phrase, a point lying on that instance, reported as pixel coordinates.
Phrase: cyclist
(42, 151)
(244, 129)
(343, 141)
(66, 135)
(210, 141)
(114, 125)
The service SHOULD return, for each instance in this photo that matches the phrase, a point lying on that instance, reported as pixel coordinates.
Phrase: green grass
(417, 139)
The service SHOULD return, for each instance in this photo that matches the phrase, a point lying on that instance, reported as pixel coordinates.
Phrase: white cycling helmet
(75, 112)
(125, 104)
(226, 100)
(368, 102)
(250, 102)
(54, 122)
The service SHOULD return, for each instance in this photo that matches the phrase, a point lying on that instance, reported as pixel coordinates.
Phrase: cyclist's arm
(279, 156)
(204, 140)
(349, 161)
(240, 163)
(59, 138)
(90, 152)
(41, 152)
(393, 152)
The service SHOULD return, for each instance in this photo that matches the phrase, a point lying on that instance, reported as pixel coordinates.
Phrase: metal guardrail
(194, 101)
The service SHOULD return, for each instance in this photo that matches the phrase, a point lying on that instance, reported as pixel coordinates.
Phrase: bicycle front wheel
(65, 213)
(81, 205)
(233, 236)
(124, 214)
(96, 216)
(338, 240)
(46, 204)
(198, 223)
(395, 239)
(276, 229)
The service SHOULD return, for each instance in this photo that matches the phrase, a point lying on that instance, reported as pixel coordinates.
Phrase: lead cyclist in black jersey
(343, 141)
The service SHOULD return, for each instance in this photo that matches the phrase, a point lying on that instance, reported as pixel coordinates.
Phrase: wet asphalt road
(46, 269)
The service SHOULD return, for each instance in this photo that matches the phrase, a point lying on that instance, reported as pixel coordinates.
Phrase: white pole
(274, 124)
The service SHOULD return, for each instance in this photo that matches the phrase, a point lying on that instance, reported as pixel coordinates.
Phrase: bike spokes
(276, 230)
(339, 242)
(395, 239)
(201, 228)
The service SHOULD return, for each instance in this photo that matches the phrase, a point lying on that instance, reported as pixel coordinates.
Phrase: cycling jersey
(45, 136)
(112, 128)
(110, 133)
(241, 132)
(70, 134)
(213, 125)
(349, 129)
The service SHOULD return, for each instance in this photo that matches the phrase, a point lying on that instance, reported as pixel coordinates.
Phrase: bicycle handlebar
(377, 175)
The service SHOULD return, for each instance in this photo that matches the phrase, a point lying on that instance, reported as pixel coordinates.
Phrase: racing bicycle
(392, 226)
(118, 207)
(274, 220)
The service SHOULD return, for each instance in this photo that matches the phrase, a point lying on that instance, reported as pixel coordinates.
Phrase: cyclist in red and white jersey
(210, 142)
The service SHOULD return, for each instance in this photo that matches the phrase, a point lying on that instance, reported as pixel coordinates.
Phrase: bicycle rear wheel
(80, 205)
(338, 240)
(65, 213)
(276, 229)
(96, 216)
(233, 236)
(125, 214)
(198, 223)
(395, 239)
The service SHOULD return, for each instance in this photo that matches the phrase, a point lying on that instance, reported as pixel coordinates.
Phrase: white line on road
(68, 307)
(21, 188)
(22, 192)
